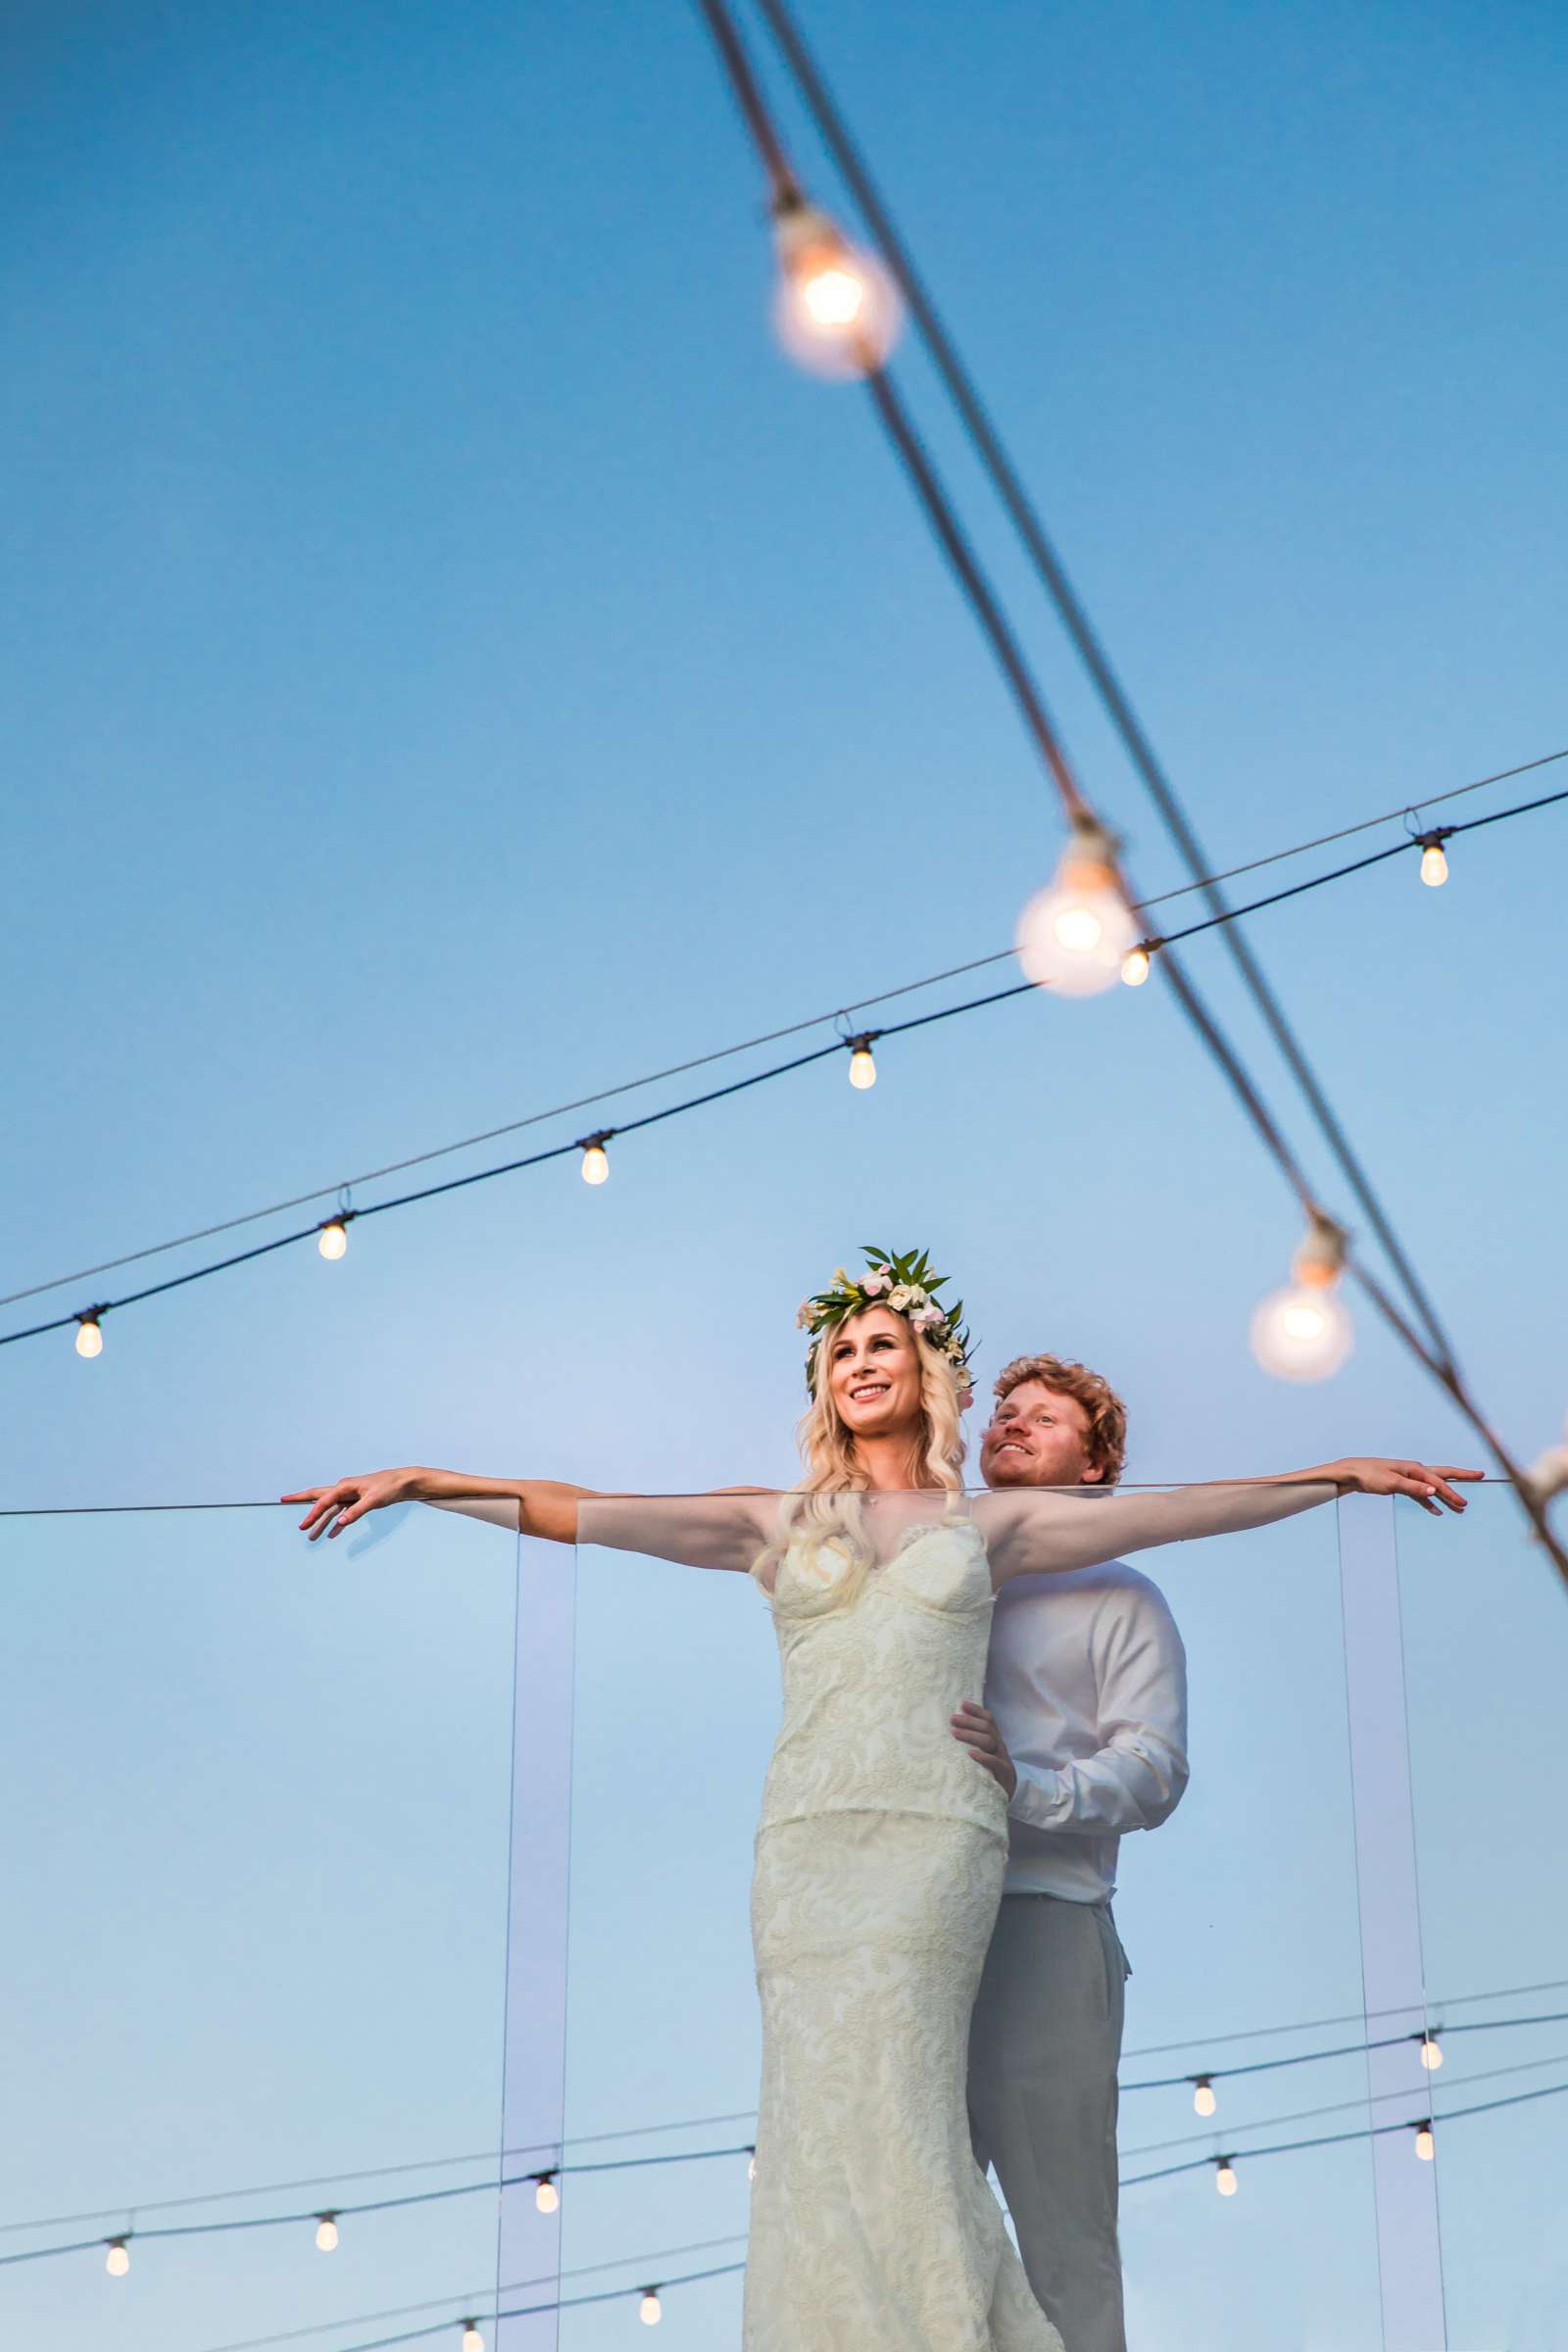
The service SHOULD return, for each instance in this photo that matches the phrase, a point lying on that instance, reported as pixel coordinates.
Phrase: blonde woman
(883, 1839)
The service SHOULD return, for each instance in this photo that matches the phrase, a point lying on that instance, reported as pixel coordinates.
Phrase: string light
(334, 1238)
(546, 2196)
(836, 309)
(1303, 1331)
(1431, 2054)
(1425, 2144)
(862, 1064)
(1225, 2177)
(650, 2310)
(750, 2168)
(1434, 863)
(472, 2340)
(1203, 2099)
(90, 1339)
(1135, 967)
(595, 1158)
(118, 2262)
(1077, 936)
(327, 2233)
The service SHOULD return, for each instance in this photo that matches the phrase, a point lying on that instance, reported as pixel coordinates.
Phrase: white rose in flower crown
(875, 1282)
(928, 1317)
(899, 1296)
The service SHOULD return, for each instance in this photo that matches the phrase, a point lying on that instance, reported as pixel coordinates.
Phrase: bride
(881, 1845)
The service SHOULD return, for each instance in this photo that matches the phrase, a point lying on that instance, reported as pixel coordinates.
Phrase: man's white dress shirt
(1088, 1683)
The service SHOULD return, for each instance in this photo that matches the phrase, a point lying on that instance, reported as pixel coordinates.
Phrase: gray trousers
(1043, 2048)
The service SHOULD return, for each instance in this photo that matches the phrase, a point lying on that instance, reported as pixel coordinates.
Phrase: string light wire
(474, 2298)
(1419, 2093)
(1053, 575)
(426, 2196)
(863, 1039)
(1339, 2139)
(705, 1060)
(1433, 1349)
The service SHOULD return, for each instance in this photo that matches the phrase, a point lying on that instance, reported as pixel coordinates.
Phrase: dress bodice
(875, 1659)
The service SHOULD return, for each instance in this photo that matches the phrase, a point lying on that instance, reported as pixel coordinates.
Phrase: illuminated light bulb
(90, 1339)
(862, 1067)
(1434, 865)
(1431, 2055)
(1203, 2099)
(751, 2169)
(1078, 935)
(836, 311)
(1302, 1333)
(472, 2340)
(1425, 2144)
(1135, 967)
(327, 2233)
(650, 2310)
(1225, 2178)
(547, 2196)
(594, 1164)
(118, 2262)
(334, 1239)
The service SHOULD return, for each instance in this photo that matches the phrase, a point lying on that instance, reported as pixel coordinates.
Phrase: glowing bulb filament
(862, 1066)
(1203, 2099)
(327, 2233)
(650, 2310)
(751, 2169)
(1134, 968)
(1434, 865)
(118, 2262)
(90, 1339)
(1225, 2178)
(472, 2340)
(594, 1164)
(1425, 2144)
(547, 2196)
(1431, 2054)
(334, 1239)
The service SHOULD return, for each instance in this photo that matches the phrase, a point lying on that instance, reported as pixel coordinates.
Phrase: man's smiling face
(1038, 1437)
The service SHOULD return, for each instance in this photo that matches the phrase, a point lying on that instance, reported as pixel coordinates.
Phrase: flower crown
(903, 1281)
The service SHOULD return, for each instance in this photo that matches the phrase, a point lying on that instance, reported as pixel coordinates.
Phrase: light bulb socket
(800, 228)
(1319, 1259)
(1090, 860)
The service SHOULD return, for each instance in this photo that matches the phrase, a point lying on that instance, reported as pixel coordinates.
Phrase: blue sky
(458, 663)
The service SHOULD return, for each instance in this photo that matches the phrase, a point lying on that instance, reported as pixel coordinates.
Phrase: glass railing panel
(257, 1832)
(1485, 1628)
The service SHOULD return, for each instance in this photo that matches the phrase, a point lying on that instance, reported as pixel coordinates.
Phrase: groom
(1085, 1727)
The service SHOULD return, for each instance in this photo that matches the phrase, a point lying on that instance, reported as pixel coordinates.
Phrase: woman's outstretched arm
(1028, 1530)
(536, 1506)
(726, 1528)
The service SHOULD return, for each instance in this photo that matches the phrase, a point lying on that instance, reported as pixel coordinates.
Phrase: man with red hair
(1085, 1726)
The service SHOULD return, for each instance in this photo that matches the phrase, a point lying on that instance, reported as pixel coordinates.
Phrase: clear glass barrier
(256, 1837)
(1485, 1630)
(1240, 1918)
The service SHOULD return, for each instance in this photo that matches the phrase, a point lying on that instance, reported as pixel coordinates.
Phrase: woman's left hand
(1428, 1482)
(975, 1727)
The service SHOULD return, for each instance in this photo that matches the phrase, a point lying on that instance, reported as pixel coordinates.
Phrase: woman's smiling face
(873, 1373)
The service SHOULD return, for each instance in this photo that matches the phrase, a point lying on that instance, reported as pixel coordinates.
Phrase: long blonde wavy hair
(815, 1513)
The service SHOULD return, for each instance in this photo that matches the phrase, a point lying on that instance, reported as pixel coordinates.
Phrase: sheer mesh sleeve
(704, 1531)
(1054, 1529)
(501, 1510)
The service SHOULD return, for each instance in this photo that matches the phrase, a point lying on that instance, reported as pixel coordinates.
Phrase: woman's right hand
(337, 1506)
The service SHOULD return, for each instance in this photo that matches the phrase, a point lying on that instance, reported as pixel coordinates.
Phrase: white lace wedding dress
(879, 1863)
